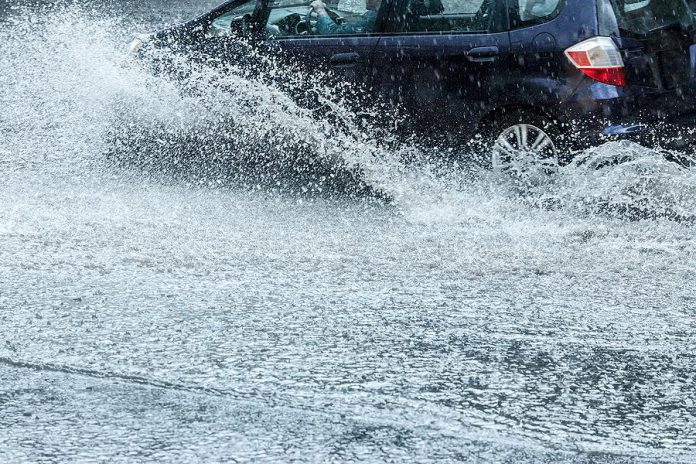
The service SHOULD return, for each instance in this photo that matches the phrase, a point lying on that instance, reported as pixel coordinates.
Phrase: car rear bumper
(676, 134)
(677, 138)
(599, 113)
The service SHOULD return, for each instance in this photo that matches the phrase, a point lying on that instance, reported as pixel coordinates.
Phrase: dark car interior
(437, 16)
(291, 18)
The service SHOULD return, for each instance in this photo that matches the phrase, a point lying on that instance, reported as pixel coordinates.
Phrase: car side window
(290, 18)
(525, 13)
(221, 25)
(448, 15)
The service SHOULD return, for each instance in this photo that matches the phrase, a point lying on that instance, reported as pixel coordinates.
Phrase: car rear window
(524, 13)
(644, 16)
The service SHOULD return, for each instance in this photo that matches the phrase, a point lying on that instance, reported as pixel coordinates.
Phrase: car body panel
(440, 76)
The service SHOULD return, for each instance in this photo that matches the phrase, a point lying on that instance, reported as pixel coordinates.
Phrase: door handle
(483, 54)
(344, 60)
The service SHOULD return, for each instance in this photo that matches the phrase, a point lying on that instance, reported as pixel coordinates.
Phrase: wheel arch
(487, 122)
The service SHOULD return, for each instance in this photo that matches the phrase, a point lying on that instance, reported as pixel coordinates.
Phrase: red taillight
(613, 76)
(600, 59)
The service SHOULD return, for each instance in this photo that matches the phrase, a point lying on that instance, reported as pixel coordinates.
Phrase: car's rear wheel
(523, 146)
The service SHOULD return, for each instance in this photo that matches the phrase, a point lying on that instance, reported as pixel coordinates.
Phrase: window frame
(394, 22)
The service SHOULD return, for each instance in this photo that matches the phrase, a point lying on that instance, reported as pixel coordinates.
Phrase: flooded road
(152, 314)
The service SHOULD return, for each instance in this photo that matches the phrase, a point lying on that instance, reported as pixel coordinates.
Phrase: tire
(522, 145)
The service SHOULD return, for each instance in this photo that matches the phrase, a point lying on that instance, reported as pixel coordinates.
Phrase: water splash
(626, 180)
(69, 87)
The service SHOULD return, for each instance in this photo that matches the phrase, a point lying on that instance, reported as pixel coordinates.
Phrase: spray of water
(70, 92)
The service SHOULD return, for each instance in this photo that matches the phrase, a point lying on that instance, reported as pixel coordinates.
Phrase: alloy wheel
(526, 152)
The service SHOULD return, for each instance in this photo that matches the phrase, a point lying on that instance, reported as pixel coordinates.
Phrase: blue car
(529, 79)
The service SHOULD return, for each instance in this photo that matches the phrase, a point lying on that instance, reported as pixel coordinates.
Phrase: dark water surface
(149, 315)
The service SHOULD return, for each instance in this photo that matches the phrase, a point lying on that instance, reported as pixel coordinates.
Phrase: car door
(444, 62)
(346, 54)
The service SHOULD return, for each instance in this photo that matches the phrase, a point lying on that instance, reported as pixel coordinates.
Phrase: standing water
(159, 309)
